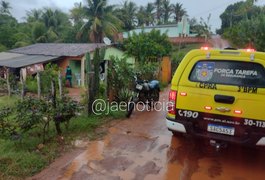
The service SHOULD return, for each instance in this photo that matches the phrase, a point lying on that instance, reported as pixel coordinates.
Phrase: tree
(235, 13)
(2, 48)
(179, 12)
(77, 13)
(127, 14)
(146, 15)
(147, 46)
(167, 10)
(8, 28)
(159, 10)
(149, 14)
(48, 25)
(247, 33)
(34, 15)
(201, 28)
(5, 7)
(141, 16)
(55, 19)
(101, 21)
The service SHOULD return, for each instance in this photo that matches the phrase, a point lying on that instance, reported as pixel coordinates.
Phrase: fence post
(90, 84)
(22, 85)
(110, 92)
(8, 82)
(60, 84)
(39, 84)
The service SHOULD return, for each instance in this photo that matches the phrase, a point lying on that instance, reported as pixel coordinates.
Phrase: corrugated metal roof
(15, 60)
(58, 49)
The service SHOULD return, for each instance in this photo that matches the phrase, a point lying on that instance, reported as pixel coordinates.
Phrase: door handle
(224, 99)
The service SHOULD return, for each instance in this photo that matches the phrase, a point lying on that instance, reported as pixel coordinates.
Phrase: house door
(75, 65)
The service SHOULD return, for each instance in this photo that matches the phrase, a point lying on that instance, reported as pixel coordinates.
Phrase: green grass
(7, 101)
(23, 158)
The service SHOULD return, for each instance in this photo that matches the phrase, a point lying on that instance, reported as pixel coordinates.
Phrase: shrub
(120, 75)
(31, 84)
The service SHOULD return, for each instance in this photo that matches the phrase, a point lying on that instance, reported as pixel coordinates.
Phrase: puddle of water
(94, 152)
(80, 143)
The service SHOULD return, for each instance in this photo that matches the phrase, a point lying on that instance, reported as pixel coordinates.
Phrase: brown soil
(142, 148)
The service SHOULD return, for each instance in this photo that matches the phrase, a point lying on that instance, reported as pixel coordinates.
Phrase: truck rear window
(229, 73)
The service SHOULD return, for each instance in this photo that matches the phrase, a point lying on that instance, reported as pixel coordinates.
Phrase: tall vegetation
(89, 21)
(147, 46)
(100, 21)
(243, 25)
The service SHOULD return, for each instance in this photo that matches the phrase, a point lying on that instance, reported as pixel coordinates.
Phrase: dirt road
(218, 42)
(142, 148)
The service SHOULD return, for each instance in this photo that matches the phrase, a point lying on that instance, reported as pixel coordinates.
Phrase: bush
(124, 95)
(51, 72)
(31, 84)
(120, 75)
(148, 71)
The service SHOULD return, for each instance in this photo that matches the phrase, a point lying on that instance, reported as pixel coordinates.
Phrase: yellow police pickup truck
(219, 95)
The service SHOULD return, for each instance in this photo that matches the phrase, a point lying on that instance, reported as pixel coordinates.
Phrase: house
(172, 30)
(177, 33)
(32, 58)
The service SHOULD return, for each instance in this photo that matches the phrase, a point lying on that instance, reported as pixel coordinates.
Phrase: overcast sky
(195, 8)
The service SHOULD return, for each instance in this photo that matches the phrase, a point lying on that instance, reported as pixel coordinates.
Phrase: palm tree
(5, 7)
(48, 25)
(179, 12)
(77, 13)
(54, 19)
(34, 15)
(146, 15)
(149, 14)
(167, 10)
(158, 5)
(141, 16)
(128, 14)
(100, 21)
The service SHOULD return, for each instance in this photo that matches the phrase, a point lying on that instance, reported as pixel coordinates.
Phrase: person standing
(68, 75)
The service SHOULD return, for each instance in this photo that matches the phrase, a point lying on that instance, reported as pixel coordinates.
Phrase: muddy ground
(142, 148)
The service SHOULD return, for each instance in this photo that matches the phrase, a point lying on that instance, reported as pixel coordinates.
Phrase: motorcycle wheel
(130, 108)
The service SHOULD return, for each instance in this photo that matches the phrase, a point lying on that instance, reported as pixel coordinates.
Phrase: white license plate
(139, 87)
(221, 129)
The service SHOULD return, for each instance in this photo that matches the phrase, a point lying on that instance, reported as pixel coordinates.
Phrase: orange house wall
(63, 63)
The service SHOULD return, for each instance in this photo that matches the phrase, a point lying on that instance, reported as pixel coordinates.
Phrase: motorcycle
(145, 92)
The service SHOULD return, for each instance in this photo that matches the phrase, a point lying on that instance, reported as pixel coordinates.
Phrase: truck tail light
(171, 108)
(205, 48)
(250, 50)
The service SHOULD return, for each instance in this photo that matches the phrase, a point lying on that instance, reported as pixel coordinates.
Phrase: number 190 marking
(188, 114)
